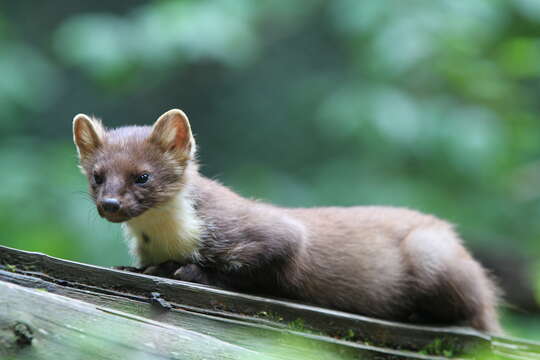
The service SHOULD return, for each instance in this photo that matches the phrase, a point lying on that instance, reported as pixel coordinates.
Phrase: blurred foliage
(429, 105)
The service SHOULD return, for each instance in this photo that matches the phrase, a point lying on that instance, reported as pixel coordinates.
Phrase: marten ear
(173, 133)
(87, 134)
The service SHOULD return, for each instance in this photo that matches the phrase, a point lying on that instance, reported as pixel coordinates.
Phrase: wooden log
(266, 327)
(247, 308)
(39, 325)
(62, 328)
(256, 337)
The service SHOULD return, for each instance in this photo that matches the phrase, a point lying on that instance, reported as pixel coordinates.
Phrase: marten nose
(110, 205)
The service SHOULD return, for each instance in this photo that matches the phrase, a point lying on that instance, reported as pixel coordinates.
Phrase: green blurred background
(432, 105)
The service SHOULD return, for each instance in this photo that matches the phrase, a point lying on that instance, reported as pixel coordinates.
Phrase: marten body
(384, 262)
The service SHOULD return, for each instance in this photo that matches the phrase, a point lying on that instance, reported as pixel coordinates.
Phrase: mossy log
(58, 309)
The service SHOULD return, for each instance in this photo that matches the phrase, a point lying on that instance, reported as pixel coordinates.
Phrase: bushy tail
(452, 287)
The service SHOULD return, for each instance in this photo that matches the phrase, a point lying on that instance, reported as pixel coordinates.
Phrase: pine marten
(384, 262)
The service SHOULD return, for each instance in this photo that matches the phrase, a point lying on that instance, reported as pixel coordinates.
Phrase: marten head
(134, 168)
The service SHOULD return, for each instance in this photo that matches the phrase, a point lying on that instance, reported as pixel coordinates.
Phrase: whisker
(83, 194)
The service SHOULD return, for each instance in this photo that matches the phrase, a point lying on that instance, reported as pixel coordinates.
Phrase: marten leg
(251, 264)
(450, 286)
(265, 280)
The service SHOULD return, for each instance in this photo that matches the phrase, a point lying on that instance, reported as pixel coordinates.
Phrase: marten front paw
(166, 269)
(191, 273)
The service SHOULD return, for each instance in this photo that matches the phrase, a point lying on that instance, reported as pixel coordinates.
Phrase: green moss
(297, 325)
(11, 268)
(350, 335)
(268, 315)
(442, 347)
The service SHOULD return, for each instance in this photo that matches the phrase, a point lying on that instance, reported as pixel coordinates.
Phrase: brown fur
(385, 262)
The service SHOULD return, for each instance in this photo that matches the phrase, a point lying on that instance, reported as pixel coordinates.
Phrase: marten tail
(452, 287)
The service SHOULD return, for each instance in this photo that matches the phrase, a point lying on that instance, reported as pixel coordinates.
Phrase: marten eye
(142, 179)
(98, 179)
